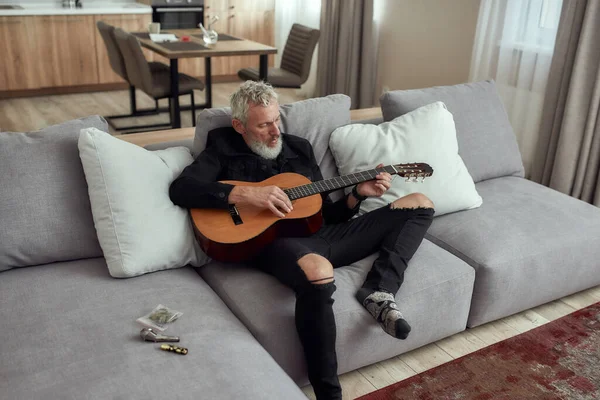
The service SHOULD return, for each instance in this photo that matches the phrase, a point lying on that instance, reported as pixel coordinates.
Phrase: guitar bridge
(235, 215)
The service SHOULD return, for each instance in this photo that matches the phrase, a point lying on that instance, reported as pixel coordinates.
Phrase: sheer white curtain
(514, 44)
(307, 13)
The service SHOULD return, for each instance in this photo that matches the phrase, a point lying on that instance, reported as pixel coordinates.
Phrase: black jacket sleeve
(197, 186)
(332, 212)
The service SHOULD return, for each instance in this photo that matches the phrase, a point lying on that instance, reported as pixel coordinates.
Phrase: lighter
(151, 336)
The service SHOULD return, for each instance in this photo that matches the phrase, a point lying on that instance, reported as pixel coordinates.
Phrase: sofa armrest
(368, 121)
(366, 114)
(171, 143)
(147, 138)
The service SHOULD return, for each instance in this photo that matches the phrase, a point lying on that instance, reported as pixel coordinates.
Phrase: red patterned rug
(559, 360)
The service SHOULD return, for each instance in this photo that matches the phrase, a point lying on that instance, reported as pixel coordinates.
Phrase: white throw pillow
(139, 229)
(427, 135)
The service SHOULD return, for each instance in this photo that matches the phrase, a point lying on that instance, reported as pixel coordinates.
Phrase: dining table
(190, 44)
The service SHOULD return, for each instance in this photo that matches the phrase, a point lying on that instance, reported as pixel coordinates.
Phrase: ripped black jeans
(395, 233)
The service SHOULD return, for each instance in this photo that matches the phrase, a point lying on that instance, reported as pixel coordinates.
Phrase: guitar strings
(358, 177)
(337, 183)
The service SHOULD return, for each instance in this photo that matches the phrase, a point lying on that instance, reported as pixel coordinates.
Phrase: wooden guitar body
(242, 231)
(224, 240)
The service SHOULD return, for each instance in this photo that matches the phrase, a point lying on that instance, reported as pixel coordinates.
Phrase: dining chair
(117, 64)
(153, 80)
(295, 61)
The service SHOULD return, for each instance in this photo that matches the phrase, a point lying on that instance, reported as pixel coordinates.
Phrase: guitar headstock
(412, 171)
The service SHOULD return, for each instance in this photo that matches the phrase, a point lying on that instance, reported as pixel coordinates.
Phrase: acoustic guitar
(242, 231)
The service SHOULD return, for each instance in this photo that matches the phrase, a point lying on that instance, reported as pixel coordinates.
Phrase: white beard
(269, 153)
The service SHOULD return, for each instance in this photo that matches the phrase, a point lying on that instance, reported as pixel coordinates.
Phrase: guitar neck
(339, 182)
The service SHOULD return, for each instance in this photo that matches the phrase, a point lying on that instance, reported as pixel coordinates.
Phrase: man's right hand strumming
(271, 197)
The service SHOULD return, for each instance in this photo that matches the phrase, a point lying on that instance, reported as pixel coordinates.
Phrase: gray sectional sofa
(68, 327)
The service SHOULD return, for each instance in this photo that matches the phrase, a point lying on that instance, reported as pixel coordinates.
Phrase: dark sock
(383, 308)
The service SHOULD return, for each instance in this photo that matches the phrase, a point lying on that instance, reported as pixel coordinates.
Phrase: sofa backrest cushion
(45, 213)
(312, 119)
(486, 141)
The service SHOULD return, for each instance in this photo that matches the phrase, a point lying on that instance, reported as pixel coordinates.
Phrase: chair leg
(151, 127)
(133, 104)
(134, 112)
(193, 109)
(170, 116)
(132, 100)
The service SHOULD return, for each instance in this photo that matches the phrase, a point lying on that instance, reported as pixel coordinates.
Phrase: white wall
(424, 43)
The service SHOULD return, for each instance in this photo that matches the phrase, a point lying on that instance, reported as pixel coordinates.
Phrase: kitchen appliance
(71, 3)
(178, 14)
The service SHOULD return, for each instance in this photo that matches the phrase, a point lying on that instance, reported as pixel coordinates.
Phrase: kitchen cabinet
(19, 68)
(127, 22)
(254, 25)
(248, 19)
(47, 51)
(67, 50)
(191, 66)
(60, 51)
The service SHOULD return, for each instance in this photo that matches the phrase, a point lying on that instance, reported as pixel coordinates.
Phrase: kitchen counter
(93, 8)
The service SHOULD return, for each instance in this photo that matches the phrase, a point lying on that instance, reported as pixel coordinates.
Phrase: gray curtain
(568, 157)
(348, 51)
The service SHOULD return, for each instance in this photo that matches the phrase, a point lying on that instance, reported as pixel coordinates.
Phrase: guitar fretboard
(339, 182)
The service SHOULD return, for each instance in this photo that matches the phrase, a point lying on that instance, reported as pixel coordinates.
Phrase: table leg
(208, 82)
(175, 111)
(132, 100)
(264, 67)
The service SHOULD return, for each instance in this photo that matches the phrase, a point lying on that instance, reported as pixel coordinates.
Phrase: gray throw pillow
(45, 210)
(312, 119)
(486, 141)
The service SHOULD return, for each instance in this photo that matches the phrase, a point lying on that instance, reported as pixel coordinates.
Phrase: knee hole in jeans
(411, 202)
(318, 269)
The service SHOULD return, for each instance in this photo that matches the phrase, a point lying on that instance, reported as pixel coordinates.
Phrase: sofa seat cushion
(529, 245)
(435, 299)
(68, 332)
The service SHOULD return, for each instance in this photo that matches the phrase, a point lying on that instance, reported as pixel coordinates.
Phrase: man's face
(262, 125)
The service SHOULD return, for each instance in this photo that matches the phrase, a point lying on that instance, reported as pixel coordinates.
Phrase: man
(254, 150)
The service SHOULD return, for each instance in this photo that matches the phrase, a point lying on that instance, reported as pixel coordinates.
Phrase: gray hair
(250, 92)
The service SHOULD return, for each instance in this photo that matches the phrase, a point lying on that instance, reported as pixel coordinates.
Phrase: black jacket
(227, 157)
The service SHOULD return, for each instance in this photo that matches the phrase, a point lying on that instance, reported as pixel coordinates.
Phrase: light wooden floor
(28, 114)
(32, 113)
(368, 379)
